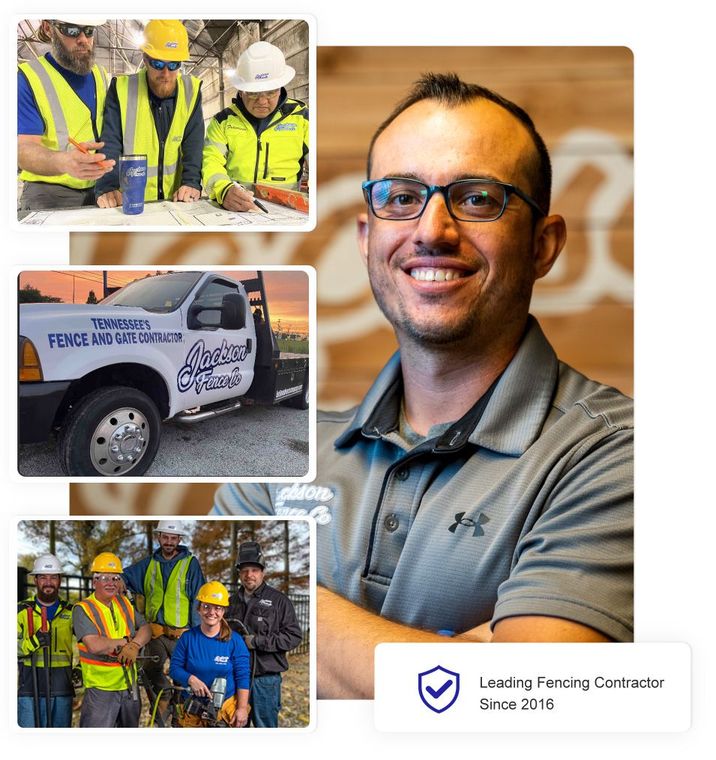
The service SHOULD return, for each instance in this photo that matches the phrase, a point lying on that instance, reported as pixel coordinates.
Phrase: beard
(48, 595)
(80, 61)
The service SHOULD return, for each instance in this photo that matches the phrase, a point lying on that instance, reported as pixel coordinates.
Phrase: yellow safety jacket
(116, 621)
(30, 622)
(139, 133)
(234, 152)
(64, 114)
(173, 598)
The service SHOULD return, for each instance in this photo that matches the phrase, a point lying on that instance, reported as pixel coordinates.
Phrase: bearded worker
(156, 112)
(60, 105)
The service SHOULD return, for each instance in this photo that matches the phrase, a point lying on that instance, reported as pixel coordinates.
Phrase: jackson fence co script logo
(304, 492)
(198, 370)
(135, 171)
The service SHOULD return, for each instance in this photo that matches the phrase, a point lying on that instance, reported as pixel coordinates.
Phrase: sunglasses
(159, 65)
(72, 30)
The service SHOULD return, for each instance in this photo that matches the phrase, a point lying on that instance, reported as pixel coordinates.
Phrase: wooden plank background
(581, 100)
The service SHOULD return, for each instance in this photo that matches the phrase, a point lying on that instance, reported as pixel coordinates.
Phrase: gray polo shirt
(522, 507)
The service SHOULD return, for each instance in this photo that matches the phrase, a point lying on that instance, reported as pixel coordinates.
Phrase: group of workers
(225, 654)
(74, 124)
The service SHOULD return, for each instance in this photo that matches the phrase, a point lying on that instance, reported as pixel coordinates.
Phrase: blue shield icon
(438, 688)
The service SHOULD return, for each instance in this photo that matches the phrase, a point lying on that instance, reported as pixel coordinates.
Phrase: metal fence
(76, 587)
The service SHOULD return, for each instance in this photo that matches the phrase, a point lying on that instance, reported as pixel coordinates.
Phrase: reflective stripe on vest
(101, 671)
(273, 159)
(64, 113)
(139, 132)
(61, 635)
(173, 600)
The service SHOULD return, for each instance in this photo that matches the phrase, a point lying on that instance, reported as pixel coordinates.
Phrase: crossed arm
(347, 635)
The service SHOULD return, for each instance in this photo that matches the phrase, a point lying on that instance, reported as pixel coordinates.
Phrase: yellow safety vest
(29, 623)
(172, 599)
(234, 152)
(100, 671)
(64, 114)
(139, 132)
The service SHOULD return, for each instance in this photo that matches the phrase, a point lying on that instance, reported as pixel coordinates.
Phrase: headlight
(30, 369)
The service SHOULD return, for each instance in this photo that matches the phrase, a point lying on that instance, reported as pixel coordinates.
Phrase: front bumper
(37, 406)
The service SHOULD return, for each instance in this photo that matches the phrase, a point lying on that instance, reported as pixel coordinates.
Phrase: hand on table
(111, 199)
(186, 194)
(239, 200)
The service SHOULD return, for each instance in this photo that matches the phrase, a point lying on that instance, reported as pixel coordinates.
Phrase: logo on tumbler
(136, 171)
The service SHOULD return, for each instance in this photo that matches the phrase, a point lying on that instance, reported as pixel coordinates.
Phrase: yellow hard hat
(214, 592)
(106, 562)
(166, 40)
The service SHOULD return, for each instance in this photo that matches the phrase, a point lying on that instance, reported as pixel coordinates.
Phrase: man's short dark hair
(451, 91)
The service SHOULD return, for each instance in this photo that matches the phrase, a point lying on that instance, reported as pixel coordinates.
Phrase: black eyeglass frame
(164, 64)
(444, 190)
(63, 28)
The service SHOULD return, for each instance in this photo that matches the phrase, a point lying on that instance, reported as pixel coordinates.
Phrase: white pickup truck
(183, 346)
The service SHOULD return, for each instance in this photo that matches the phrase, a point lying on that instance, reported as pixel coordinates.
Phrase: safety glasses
(72, 30)
(160, 65)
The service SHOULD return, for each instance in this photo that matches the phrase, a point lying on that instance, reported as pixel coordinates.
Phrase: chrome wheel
(119, 441)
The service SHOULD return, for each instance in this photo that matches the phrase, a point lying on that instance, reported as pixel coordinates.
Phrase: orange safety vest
(115, 621)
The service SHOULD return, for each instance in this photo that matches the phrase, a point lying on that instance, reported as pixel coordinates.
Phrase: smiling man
(44, 648)
(482, 489)
(169, 580)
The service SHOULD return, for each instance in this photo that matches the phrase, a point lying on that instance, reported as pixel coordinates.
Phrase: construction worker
(60, 98)
(262, 137)
(268, 622)
(110, 633)
(169, 580)
(156, 112)
(213, 663)
(44, 644)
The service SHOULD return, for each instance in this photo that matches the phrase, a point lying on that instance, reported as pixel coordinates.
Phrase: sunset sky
(287, 292)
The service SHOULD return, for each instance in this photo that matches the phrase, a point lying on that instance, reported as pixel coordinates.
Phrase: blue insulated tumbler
(132, 181)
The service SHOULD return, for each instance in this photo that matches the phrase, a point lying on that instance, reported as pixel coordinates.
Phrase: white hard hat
(82, 20)
(262, 66)
(47, 564)
(175, 527)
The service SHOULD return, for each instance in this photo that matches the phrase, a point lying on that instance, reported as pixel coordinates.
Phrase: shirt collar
(507, 419)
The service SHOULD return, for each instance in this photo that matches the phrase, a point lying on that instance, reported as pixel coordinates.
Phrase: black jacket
(270, 618)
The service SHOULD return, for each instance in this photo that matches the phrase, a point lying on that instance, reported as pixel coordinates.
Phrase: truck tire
(301, 400)
(113, 431)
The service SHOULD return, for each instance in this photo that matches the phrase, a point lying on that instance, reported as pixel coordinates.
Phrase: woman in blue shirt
(212, 650)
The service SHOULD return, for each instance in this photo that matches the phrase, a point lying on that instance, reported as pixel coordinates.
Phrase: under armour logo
(468, 522)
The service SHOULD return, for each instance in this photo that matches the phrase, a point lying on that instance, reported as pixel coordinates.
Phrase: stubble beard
(80, 62)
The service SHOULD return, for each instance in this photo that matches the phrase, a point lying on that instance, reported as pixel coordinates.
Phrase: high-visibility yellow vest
(64, 113)
(234, 152)
(139, 133)
(29, 623)
(116, 621)
(172, 599)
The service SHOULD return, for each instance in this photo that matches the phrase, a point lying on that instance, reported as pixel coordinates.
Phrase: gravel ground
(256, 441)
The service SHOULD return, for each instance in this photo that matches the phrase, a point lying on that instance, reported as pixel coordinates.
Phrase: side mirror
(233, 312)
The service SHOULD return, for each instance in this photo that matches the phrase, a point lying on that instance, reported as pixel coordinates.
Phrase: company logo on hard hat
(216, 595)
(47, 566)
(111, 564)
(171, 44)
(262, 76)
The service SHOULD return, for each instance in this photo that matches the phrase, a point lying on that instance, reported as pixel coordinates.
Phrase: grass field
(293, 346)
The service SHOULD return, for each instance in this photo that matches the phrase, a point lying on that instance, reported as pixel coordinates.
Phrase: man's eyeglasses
(159, 65)
(72, 30)
(467, 200)
(107, 578)
(268, 94)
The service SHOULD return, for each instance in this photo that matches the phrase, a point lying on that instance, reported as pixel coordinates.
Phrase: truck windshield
(161, 293)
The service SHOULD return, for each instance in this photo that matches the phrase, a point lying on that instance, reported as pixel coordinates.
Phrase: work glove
(127, 655)
(42, 639)
(249, 640)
